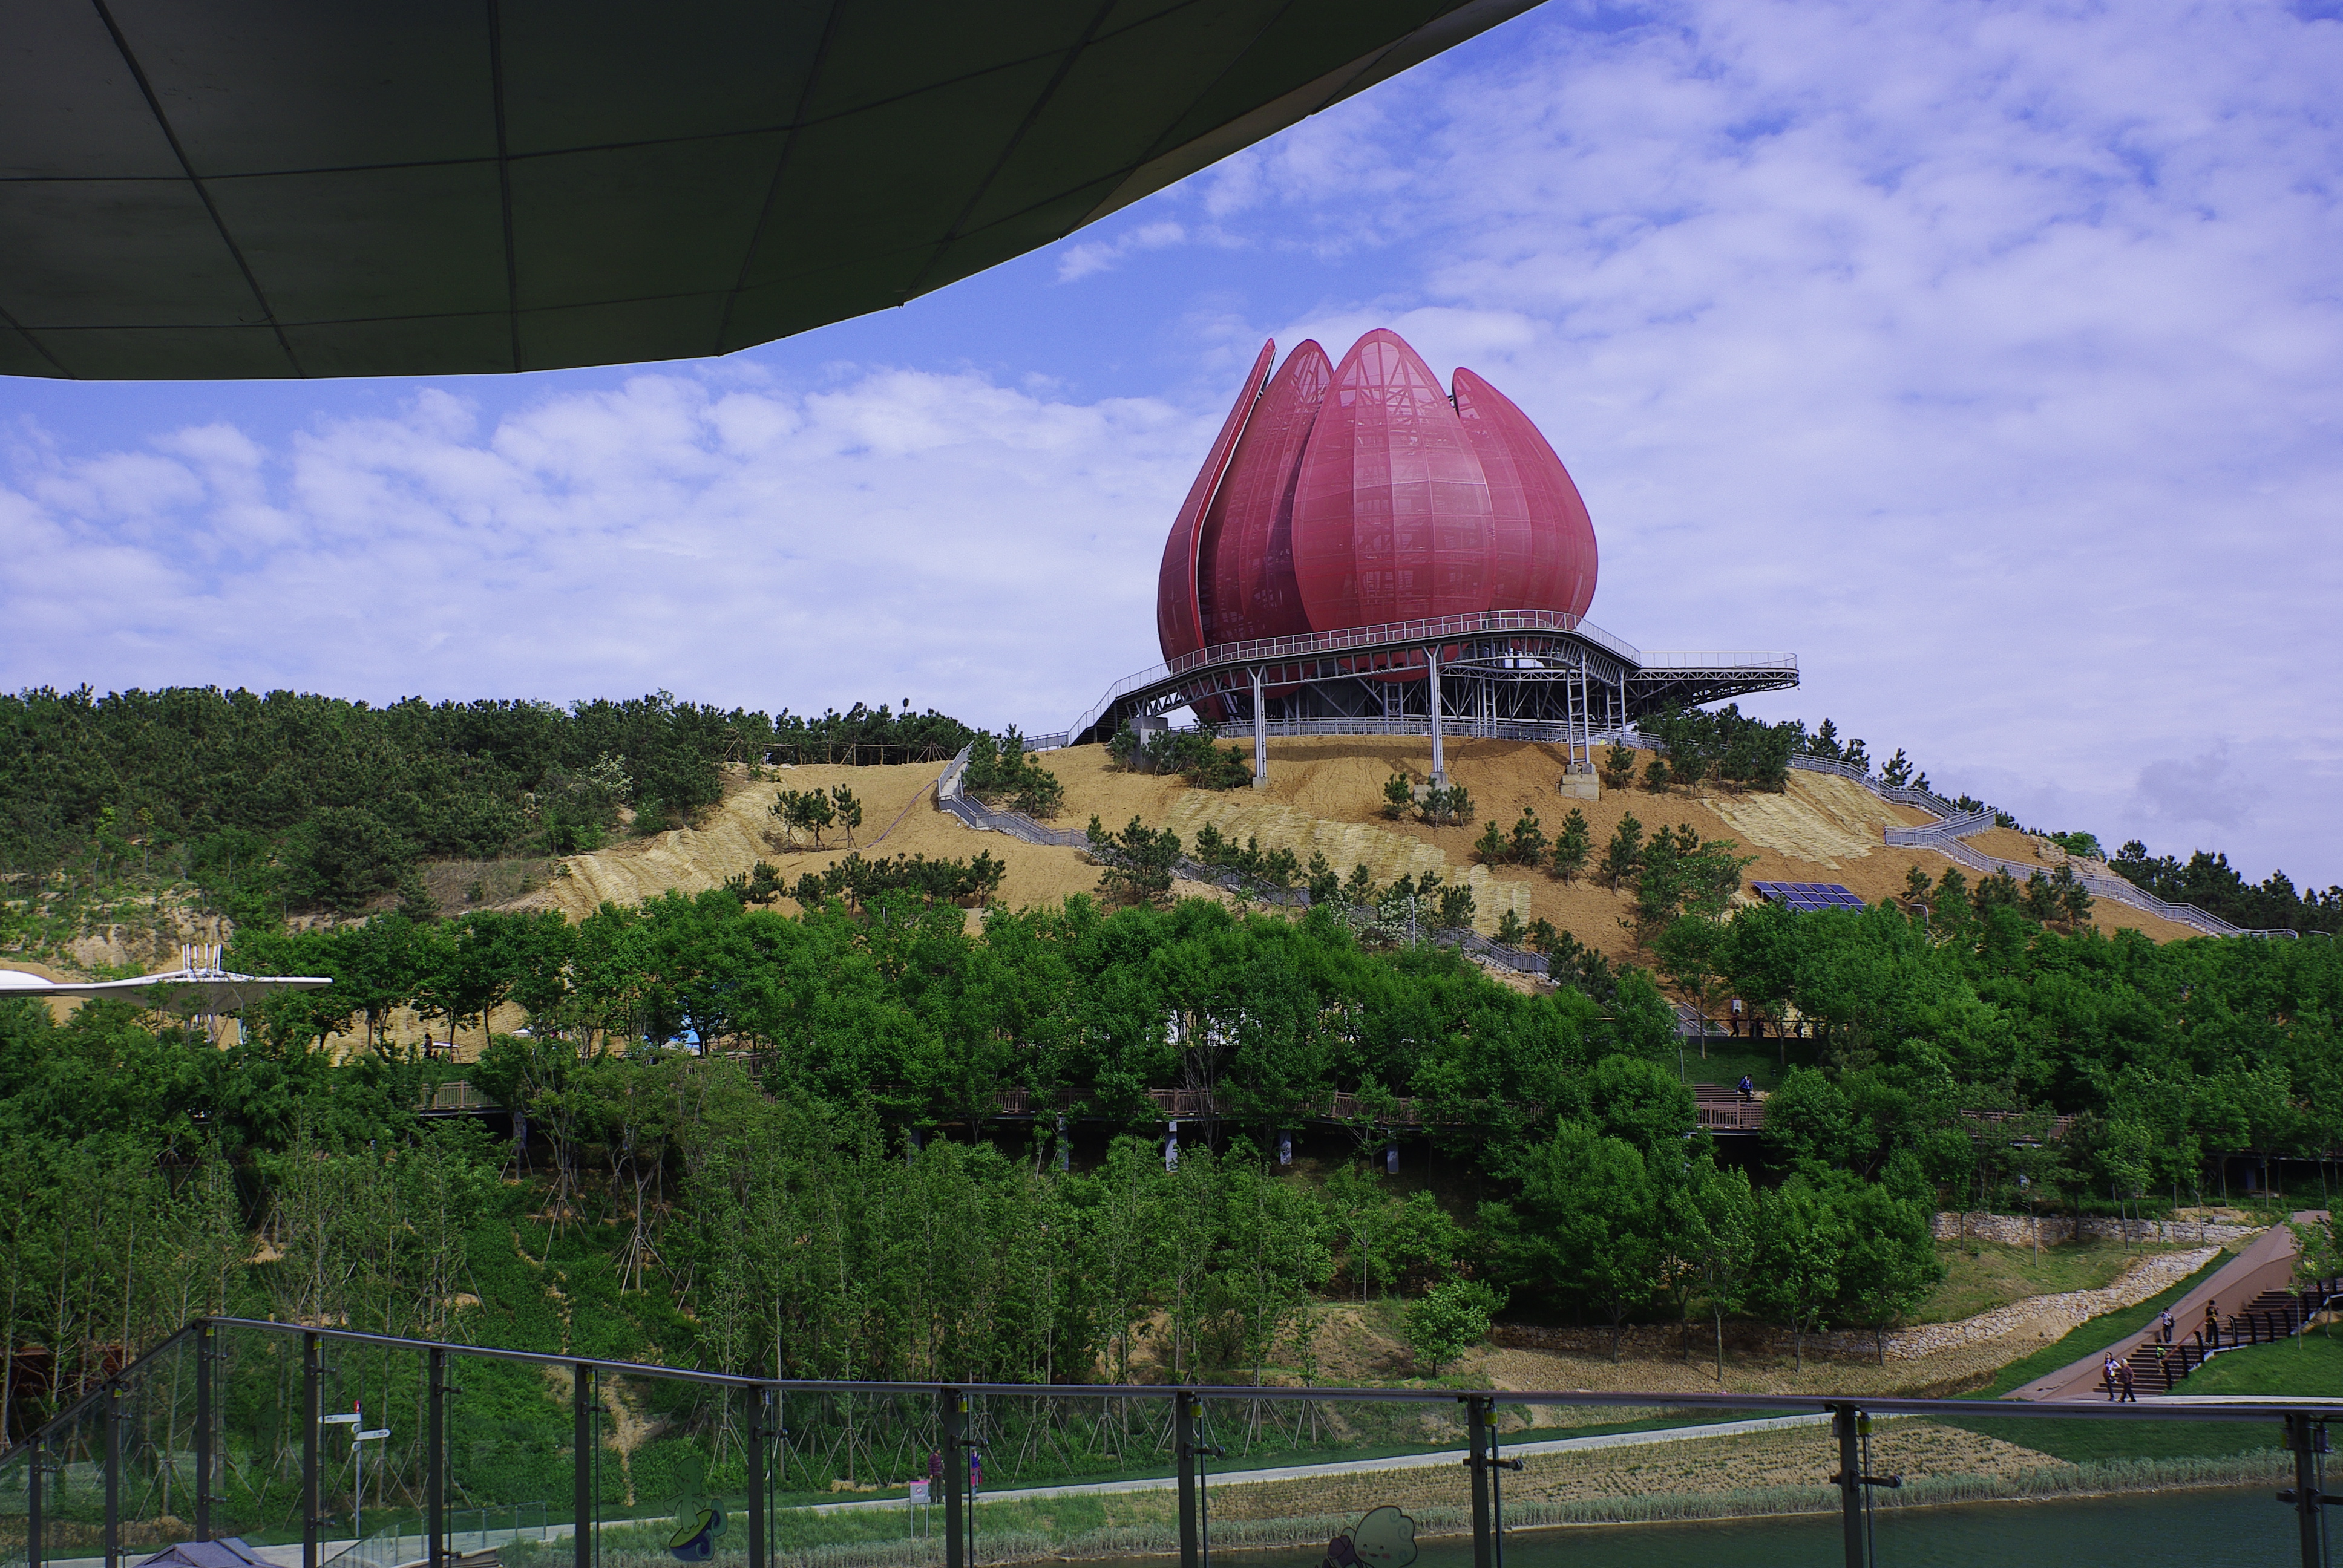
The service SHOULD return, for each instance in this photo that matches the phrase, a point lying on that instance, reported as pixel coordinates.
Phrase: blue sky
(1984, 355)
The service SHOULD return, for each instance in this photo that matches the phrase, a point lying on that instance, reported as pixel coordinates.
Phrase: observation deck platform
(1594, 681)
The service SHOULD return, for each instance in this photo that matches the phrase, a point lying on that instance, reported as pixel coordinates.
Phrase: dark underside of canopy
(273, 189)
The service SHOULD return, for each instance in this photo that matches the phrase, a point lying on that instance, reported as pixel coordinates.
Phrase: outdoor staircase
(2269, 1318)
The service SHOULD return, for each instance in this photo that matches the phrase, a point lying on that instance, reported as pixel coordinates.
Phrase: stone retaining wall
(2018, 1230)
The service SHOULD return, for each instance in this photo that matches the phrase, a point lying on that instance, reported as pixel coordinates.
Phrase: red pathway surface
(2268, 1264)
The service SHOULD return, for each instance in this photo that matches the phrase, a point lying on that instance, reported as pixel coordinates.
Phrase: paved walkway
(2268, 1264)
(1456, 1456)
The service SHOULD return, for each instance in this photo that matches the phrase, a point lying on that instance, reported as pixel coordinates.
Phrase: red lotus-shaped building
(1361, 494)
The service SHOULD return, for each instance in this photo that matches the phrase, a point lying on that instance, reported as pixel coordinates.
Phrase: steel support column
(1850, 1483)
(1260, 735)
(114, 1476)
(204, 1356)
(1477, 1434)
(312, 1374)
(581, 1482)
(1439, 766)
(2302, 1435)
(950, 1406)
(758, 1402)
(32, 1473)
(1183, 1439)
(435, 1461)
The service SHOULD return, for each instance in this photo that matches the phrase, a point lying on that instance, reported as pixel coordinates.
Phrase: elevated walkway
(1511, 648)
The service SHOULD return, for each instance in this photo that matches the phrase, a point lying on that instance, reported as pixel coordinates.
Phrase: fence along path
(975, 813)
(1945, 835)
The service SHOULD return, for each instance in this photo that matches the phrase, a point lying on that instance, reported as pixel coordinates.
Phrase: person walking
(2166, 1325)
(2107, 1375)
(2124, 1375)
(1733, 1017)
(2212, 1325)
(1748, 1088)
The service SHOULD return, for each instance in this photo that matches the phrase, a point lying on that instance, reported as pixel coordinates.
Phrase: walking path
(2267, 1264)
(1360, 1466)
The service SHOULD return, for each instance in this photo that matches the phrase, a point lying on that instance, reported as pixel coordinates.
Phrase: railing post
(757, 1477)
(203, 1430)
(1476, 1430)
(950, 1406)
(435, 1461)
(311, 1373)
(112, 1475)
(2309, 1506)
(40, 1457)
(581, 1388)
(1183, 1438)
(1850, 1483)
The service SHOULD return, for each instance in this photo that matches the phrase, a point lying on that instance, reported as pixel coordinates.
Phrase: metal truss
(1516, 674)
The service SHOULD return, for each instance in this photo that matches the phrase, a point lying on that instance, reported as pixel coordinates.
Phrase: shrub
(1449, 1320)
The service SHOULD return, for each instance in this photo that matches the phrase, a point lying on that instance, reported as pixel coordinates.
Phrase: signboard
(919, 1491)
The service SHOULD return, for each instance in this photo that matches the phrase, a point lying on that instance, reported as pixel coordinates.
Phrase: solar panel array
(1804, 896)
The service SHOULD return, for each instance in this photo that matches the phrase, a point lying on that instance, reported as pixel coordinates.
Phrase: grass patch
(2310, 1367)
(1982, 1275)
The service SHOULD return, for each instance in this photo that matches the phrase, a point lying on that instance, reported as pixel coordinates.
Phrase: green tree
(1492, 849)
(1449, 1320)
(1803, 1237)
(1592, 1221)
(1572, 848)
(1719, 1230)
(1136, 863)
(1624, 854)
(1656, 776)
(1399, 796)
(1528, 839)
(846, 808)
(1618, 766)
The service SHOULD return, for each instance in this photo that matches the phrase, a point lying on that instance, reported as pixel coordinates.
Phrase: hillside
(1325, 796)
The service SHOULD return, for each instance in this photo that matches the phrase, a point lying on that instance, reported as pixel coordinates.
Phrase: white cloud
(895, 533)
(1079, 261)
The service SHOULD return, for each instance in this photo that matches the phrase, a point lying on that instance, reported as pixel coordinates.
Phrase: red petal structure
(1178, 625)
(1544, 555)
(1362, 494)
(1245, 577)
(1391, 511)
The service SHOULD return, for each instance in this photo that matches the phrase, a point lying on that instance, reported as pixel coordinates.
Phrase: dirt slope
(1325, 796)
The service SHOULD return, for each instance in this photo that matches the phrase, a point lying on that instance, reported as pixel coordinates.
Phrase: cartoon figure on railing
(1385, 1538)
(698, 1520)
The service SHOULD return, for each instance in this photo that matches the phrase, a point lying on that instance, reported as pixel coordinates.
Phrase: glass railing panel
(2170, 1490)
(73, 1490)
(256, 1401)
(155, 1411)
(16, 1504)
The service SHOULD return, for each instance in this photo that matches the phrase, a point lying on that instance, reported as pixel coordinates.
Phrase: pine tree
(1491, 848)
(1399, 794)
(1572, 850)
(1618, 766)
(1624, 854)
(1529, 840)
